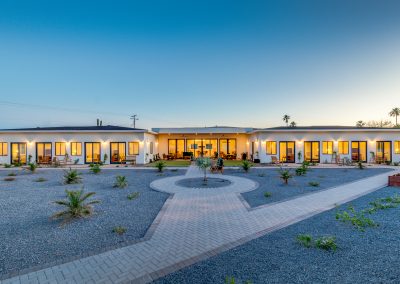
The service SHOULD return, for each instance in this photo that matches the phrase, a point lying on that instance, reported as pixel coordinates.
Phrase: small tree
(286, 119)
(204, 164)
(285, 175)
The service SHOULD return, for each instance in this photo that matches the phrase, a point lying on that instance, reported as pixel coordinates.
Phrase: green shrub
(383, 203)
(17, 164)
(32, 167)
(246, 165)
(396, 164)
(160, 165)
(72, 177)
(305, 240)
(40, 179)
(7, 166)
(313, 183)
(326, 243)
(95, 169)
(9, 178)
(133, 195)
(120, 182)
(119, 230)
(12, 174)
(356, 219)
(285, 175)
(267, 194)
(75, 205)
(231, 280)
(360, 165)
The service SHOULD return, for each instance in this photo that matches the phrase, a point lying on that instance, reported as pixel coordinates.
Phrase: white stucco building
(89, 144)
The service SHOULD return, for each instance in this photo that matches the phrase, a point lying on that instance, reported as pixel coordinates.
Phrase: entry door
(287, 152)
(117, 152)
(43, 153)
(359, 151)
(383, 151)
(18, 153)
(311, 151)
(92, 152)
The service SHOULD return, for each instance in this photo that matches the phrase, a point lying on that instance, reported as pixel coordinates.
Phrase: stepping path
(195, 224)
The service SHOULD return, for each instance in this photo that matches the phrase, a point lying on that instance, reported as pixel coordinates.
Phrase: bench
(130, 159)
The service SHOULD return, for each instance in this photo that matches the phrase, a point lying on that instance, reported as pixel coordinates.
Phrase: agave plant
(120, 182)
(246, 165)
(160, 166)
(72, 176)
(75, 205)
(95, 169)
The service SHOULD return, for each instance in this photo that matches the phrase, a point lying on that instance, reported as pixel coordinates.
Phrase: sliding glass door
(92, 152)
(117, 152)
(311, 151)
(43, 152)
(176, 147)
(227, 149)
(18, 153)
(287, 152)
(383, 151)
(359, 151)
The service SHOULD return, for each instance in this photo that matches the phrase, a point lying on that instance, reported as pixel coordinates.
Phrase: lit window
(327, 147)
(3, 149)
(397, 147)
(60, 149)
(133, 148)
(271, 147)
(343, 147)
(76, 149)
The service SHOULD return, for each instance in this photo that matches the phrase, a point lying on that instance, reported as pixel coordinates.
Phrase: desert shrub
(383, 203)
(267, 194)
(72, 177)
(120, 182)
(160, 165)
(313, 183)
(356, 219)
(360, 165)
(95, 169)
(305, 240)
(231, 280)
(12, 174)
(32, 167)
(246, 165)
(76, 205)
(7, 166)
(285, 175)
(41, 179)
(119, 230)
(133, 195)
(326, 243)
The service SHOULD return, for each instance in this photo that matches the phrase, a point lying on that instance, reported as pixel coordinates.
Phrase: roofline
(73, 131)
(355, 129)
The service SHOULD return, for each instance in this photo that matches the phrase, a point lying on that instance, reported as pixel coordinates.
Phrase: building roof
(202, 130)
(103, 128)
(326, 127)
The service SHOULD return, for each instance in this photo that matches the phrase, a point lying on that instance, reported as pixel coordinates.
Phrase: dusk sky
(198, 63)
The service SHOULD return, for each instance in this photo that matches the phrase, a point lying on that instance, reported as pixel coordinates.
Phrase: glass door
(117, 152)
(18, 153)
(359, 151)
(383, 151)
(287, 152)
(311, 151)
(210, 148)
(92, 152)
(43, 153)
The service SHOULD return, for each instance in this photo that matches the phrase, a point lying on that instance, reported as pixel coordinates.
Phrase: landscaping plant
(120, 182)
(133, 195)
(246, 165)
(160, 165)
(231, 280)
(326, 243)
(285, 175)
(203, 164)
(360, 165)
(9, 178)
(12, 174)
(72, 177)
(313, 183)
(7, 166)
(305, 240)
(40, 179)
(32, 167)
(119, 230)
(76, 205)
(356, 219)
(267, 194)
(95, 169)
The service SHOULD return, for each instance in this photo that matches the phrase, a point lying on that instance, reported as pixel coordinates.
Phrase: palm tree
(75, 204)
(286, 119)
(360, 123)
(395, 112)
(293, 124)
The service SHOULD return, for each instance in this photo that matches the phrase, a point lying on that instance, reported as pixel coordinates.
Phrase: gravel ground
(199, 182)
(29, 238)
(372, 256)
(269, 181)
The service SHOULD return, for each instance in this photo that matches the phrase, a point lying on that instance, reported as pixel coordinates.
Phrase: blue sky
(198, 63)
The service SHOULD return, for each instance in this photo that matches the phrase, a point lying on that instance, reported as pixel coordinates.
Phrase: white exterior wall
(299, 137)
(103, 137)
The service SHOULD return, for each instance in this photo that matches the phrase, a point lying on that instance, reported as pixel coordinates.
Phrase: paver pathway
(193, 225)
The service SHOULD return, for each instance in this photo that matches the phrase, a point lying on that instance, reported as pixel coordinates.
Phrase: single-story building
(90, 144)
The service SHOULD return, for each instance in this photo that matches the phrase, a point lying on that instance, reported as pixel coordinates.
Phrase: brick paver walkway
(195, 224)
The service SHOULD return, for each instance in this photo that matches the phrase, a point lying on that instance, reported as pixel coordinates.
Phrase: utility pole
(134, 118)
